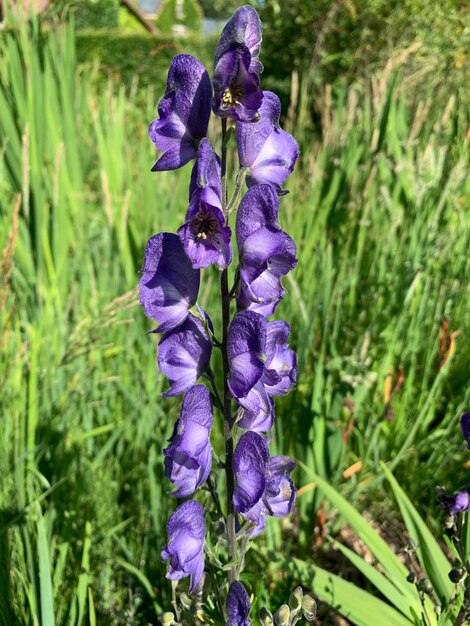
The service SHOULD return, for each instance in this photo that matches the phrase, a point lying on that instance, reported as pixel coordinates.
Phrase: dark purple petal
(258, 410)
(280, 493)
(458, 502)
(244, 27)
(281, 366)
(236, 89)
(238, 605)
(465, 425)
(259, 207)
(206, 173)
(245, 347)
(185, 549)
(268, 151)
(183, 354)
(249, 300)
(188, 458)
(250, 461)
(204, 236)
(183, 112)
(169, 285)
(267, 250)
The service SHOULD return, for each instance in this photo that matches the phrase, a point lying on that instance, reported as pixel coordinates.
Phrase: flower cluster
(258, 364)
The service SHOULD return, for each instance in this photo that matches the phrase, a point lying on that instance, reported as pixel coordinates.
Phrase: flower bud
(309, 607)
(265, 617)
(168, 619)
(282, 617)
(185, 600)
(411, 578)
(457, 574)
(295, 600)
(425, 586)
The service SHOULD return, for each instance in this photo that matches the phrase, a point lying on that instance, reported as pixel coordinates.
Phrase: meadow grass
(379, 307)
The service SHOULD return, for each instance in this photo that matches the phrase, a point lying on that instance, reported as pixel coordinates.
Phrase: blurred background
(376, 93)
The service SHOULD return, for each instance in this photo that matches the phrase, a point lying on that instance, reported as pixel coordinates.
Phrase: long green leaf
(431, 557)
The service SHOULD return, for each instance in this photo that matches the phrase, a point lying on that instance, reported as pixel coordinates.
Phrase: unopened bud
(425, 586)
(457, 574)
(282, 617)
(168, 619)
(265, 617)
(411, 578)
(185, 600)
(309, 607)
(411, 546)
(295, 600)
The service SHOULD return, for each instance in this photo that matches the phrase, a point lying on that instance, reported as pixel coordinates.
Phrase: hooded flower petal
(183, 354)
(258, 410)
(266, 149)
(281, 365)
(169, 285)
(184, 113)
(206, 174)
(465, 425)
(185, 549)
(236, 89)
(266, 252)
(188, 458)
(280, 492)
(250, 461)
(244, 27)
(238, 605)
(245, 347)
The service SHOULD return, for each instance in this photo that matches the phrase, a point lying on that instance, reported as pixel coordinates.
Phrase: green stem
(227, 399)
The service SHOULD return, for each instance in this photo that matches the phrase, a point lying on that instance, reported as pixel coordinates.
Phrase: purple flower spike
(266, 252)
(188, 458)
(244, 27)
(184, 113)
(185, 549)
(250, 461)
(281, 366)
(245, 347)
(204, 235)
(238, 605)
(183, 354)
(169, 285)
(266, 149)
(465, 425)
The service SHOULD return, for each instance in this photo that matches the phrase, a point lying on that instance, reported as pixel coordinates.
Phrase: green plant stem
(227, 399)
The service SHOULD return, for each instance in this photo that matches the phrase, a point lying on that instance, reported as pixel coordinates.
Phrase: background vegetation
(379, 304)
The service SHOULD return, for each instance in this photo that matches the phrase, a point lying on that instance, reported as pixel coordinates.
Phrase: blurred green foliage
(88, 13)
(188, 13)
(330, 39)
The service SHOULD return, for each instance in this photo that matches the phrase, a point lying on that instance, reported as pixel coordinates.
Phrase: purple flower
(465, 425)
(281, 365)
(266, 253)
(237, 67)
(262, 484)
(459, 502)
(185, 549)
(250, 461)
(238, 605)
(183, 354)
(266, 149)
(245, 348)
(204, 235)
(169, 285)
(188, 458)
(184, 113)
(244, 27)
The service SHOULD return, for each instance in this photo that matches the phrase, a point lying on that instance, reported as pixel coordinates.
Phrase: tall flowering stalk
(257, 363)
